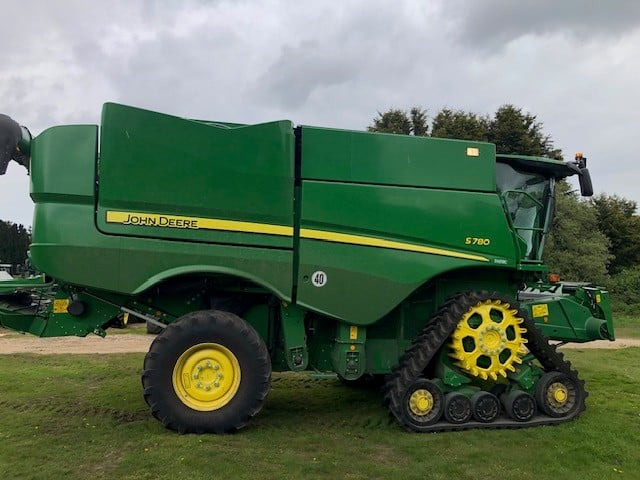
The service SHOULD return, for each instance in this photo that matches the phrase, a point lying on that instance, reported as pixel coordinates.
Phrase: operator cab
(526, 186)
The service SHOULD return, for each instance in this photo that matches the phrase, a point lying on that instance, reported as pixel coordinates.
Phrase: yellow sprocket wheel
(488, 340)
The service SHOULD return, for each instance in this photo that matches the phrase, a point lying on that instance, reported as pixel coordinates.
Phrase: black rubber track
(419, 355)
(209, 326)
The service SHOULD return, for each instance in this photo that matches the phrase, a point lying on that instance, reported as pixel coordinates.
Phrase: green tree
(625, 290)
(618, 221)
(510, 129)
(575, 248)
(399, 121)
(419, 122)
(14, 243)
(520, 133)
(460, 124)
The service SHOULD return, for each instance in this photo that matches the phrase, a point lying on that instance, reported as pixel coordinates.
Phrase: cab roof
(542, 165)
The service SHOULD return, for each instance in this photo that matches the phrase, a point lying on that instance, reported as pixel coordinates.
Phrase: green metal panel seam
(297, 211)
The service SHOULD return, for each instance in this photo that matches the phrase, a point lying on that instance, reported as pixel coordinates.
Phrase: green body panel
(130, 265)
(24, 321)
(260, 319)
(374, 279)
(377, 279)
(155, 163)
(295, 337)
(380, 158)
(63, 165)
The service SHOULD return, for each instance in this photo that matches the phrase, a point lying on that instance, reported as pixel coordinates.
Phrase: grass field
(626, 326)
(83, 416)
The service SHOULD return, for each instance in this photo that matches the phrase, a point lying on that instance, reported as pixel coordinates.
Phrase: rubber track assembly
(432, 338)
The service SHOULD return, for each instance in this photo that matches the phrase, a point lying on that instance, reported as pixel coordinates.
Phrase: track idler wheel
(422, 405)
(519, 405)
(558, 394)
(457, 408)
(485, 407)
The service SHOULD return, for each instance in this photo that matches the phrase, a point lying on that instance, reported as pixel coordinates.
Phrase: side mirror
(586, 187)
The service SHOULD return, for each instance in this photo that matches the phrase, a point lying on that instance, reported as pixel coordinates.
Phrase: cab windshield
(527, 199)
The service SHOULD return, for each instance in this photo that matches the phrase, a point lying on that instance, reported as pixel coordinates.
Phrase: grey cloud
(302, 69)
(494, 23)
(358, 48)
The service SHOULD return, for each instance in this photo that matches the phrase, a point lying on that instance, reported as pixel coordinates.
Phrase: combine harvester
(416, 261)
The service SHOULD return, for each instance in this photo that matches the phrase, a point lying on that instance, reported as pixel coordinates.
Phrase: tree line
(594, 240)
(14, 243)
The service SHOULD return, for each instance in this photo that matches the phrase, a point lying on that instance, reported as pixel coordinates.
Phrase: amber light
(554, 278)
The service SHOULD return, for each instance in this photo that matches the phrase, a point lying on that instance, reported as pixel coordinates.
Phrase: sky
(573, 64)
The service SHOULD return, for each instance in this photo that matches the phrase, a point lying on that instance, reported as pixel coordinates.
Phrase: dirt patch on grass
(619, 343)
(387, 455)
(104, 465)
(11, 343)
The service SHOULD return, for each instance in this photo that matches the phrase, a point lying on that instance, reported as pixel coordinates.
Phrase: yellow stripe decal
(195, 223)
(378, 242)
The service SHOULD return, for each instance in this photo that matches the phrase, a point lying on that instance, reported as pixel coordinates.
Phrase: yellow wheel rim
(206, 377)
(558, 393)
(488, 340)
(421, 402)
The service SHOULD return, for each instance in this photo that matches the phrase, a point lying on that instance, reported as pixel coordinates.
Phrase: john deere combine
(260, 247)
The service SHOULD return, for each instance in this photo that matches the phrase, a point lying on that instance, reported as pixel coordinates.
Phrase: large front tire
(208, 372)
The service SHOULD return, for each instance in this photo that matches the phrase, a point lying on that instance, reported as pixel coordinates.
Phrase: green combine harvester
(411, 261)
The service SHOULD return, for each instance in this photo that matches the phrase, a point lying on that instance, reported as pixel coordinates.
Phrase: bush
(576, 249)
(625, 290)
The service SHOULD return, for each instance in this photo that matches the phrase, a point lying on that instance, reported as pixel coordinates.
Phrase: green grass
(79, 416)
(626, 326)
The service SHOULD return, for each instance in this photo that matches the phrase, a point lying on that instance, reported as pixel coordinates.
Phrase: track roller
(485, 407)
(457, 408)
(519, 405)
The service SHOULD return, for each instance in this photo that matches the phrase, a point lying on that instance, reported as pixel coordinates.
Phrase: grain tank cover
(167, 177)
(402, 160)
